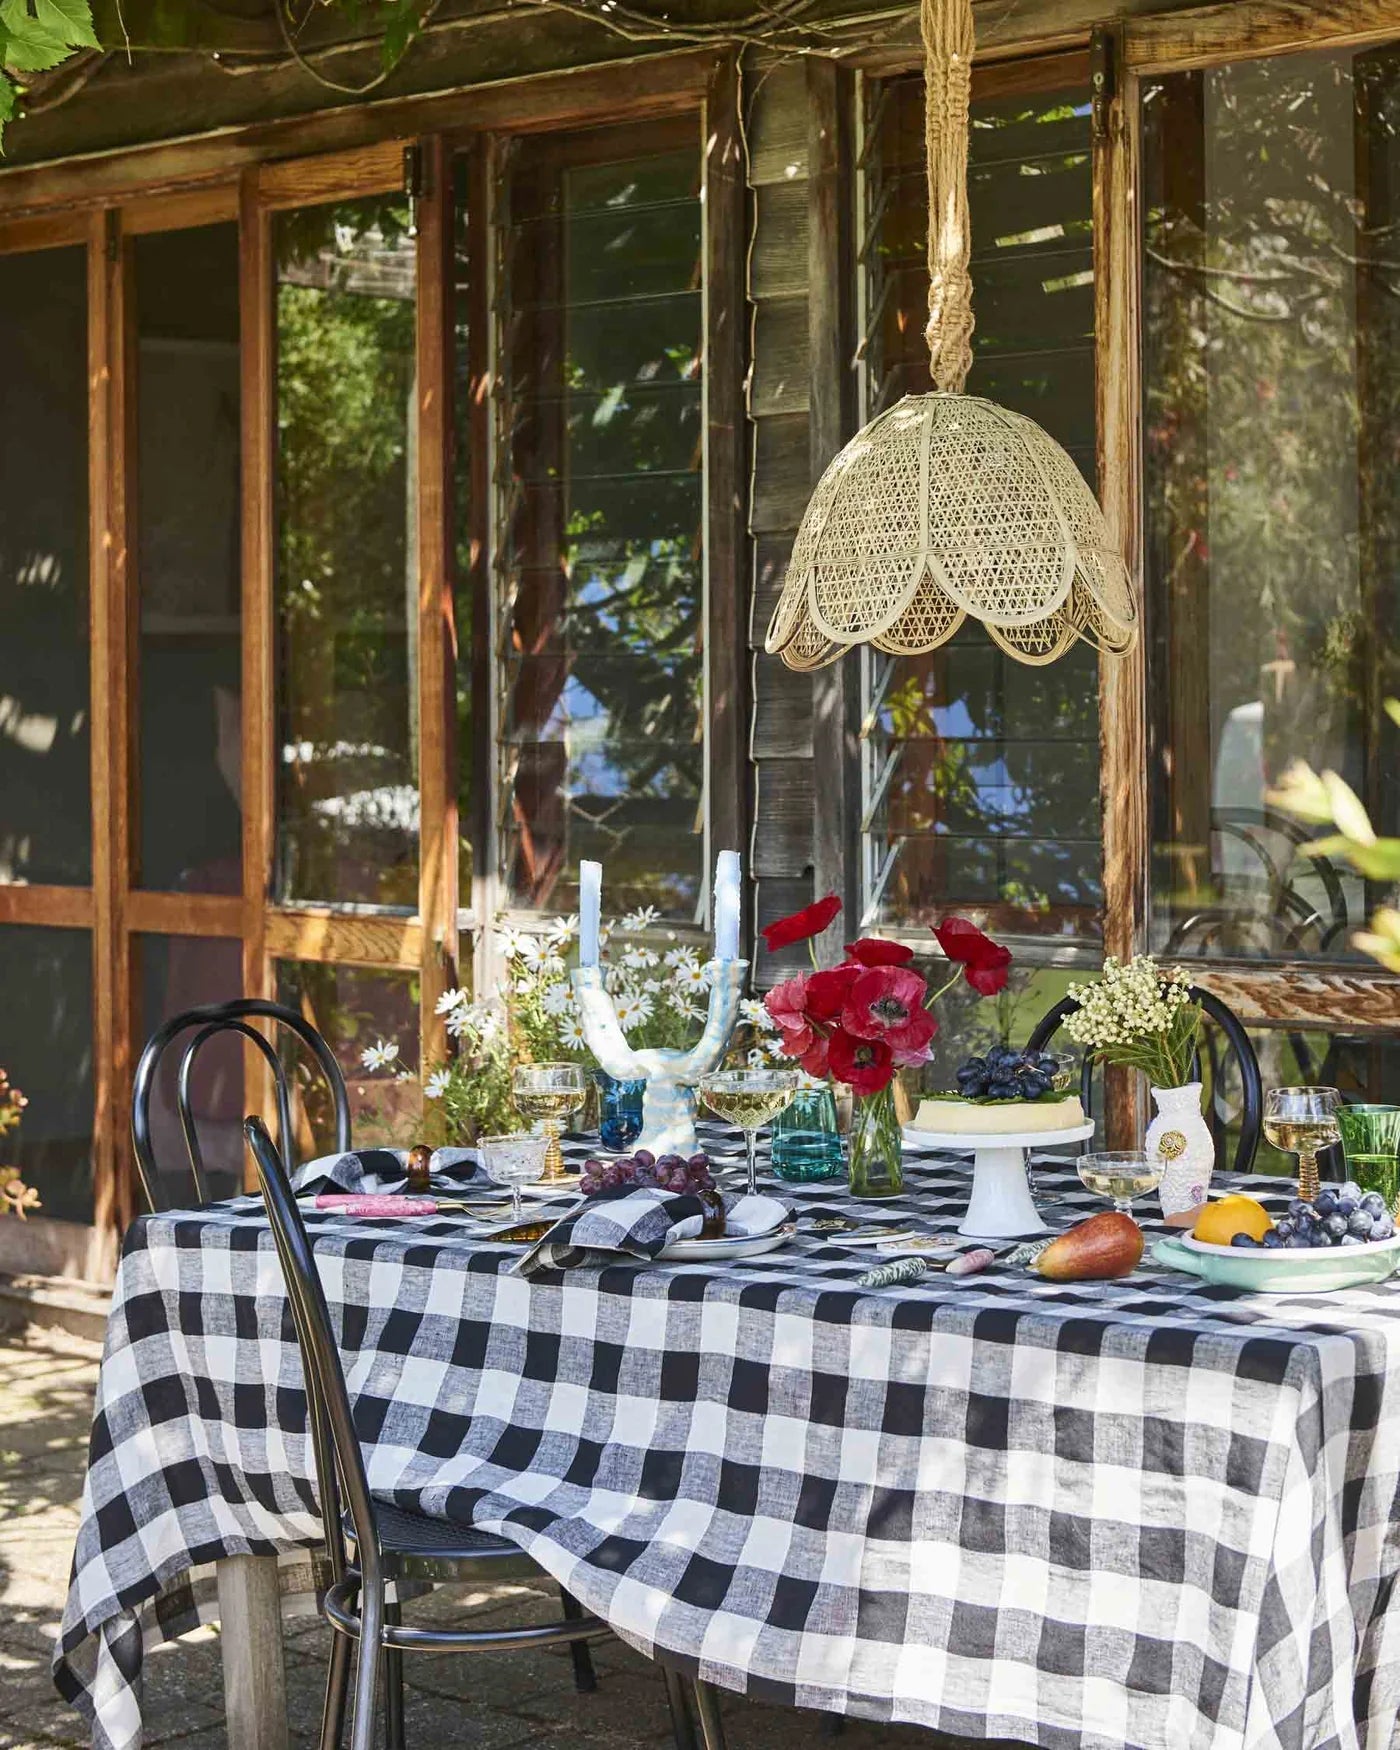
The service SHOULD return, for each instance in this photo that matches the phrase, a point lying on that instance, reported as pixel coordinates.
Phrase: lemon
(1219, 1222)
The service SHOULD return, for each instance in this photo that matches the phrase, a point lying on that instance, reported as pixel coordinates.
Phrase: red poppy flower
(876, 951)
(815, 1058)
(787, 1004)
(808, 922)
(887, 1002)
(827, 991)
(867, 1065)
(984, 961)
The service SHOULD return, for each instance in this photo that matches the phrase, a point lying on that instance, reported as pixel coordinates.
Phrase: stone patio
(491, 1702)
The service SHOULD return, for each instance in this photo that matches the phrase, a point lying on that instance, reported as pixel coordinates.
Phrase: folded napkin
(638, 1221)
(380, 1171)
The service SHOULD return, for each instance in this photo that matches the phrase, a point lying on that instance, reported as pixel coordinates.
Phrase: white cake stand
(1001, 1206)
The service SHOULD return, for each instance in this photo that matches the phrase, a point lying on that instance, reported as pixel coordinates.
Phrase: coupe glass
(1120, 1175)
(515, 1161)
(1301, 1121)
(748, 1098)
(548, 1093)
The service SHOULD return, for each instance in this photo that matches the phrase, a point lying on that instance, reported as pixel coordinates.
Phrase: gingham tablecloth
(1139, 1514)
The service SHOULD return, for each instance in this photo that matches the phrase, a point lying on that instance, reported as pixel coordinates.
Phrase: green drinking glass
(1380, 1173)
(1369, 1130)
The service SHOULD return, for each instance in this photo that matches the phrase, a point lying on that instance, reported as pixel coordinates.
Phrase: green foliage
(35, 37)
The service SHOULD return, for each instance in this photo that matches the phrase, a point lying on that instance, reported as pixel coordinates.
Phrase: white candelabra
(668, 1107)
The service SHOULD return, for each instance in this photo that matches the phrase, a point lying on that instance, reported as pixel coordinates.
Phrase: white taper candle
(590, 907)
(728, 899)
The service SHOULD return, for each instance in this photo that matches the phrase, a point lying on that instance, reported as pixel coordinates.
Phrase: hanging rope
(948, 44)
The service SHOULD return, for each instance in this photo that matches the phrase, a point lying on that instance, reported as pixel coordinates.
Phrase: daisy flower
(679, 957)
(692, 979)
(562, 931)
(557, 1000)
(757, 1058)
(437, 1084)
(752, 1010)
(508, 940)
(641, 919)
(638, 959)
(451, 999)
(631, 1009)
(572, 1034)
(380, 1055)
(530, 950)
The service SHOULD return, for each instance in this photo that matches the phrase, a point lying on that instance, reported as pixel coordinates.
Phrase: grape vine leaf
(35, 36)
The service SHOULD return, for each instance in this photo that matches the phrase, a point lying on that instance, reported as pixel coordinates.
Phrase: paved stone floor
(484, 1703)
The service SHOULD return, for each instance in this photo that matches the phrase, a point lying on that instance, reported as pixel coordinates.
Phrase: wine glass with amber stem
(549, 1093)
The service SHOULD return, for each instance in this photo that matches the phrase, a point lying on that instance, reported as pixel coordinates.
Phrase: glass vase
(619, 1110)
(877, 1146)
(806, 1146)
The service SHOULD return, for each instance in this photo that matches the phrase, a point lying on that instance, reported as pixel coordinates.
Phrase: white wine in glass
(548, 1093)
(1301, 1121)
(1120, 1175)
(749, 1099)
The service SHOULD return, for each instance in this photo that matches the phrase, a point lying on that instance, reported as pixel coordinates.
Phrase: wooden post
(831, 401)
(1122, 679)
(255, 1679)
(437, 637)
(726, 531)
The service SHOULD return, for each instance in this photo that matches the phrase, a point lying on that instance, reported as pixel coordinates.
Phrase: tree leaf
(69, 19)
(9, 92)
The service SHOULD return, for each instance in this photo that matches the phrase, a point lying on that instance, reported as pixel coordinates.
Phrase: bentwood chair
(1237, 1050)
(372, 1545)
(207, 1022)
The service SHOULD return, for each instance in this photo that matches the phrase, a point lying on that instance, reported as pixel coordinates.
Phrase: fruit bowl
(1282, 1270)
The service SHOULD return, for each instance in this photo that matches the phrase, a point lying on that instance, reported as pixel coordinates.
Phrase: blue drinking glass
(806, 1145)
(619, 1110)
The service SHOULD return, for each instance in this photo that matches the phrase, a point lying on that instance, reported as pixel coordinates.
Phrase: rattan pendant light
(947, 505)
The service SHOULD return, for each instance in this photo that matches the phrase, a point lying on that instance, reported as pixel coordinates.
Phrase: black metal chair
(206, 1022)
(1237, 1046)
(372, 1545)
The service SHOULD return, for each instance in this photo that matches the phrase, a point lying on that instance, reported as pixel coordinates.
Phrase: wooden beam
(342, 938)
(328, 176)
(44, 231)
(63, 908)
(1247, 29)
(831, 387)
(181, 210)
(1122, 679)
(255, 1673)
(1332, 1002)
(437, 635)
(726, 534)
(659, 84)
(184, 914)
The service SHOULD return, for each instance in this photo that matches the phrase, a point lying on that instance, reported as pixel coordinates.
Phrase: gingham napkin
(375, 1171)
(639, 1222)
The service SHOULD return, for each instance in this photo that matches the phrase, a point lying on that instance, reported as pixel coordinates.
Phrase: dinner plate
(1280, 1270)
(729, 1245)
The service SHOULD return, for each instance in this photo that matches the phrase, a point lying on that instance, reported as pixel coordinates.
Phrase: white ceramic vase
(1180, 1138)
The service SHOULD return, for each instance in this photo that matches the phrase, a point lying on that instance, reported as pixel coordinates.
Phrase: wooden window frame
(248, 175)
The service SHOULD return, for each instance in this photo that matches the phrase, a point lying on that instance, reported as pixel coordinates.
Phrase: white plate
(770, 1225)
(962, 1142)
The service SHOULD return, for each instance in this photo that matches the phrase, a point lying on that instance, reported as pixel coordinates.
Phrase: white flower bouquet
(1141, 1015)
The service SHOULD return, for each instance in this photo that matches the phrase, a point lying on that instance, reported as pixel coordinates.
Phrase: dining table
(1139, 1514)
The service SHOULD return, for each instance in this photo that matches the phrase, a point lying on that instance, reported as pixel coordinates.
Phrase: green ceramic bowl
(1281, 1271)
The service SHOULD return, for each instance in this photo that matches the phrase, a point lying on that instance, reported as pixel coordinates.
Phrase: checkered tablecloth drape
(1102, 1516)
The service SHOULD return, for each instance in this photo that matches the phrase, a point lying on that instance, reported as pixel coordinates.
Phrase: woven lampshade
(947, 505)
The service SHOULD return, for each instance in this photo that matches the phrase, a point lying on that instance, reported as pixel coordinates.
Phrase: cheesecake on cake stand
(999, 1130)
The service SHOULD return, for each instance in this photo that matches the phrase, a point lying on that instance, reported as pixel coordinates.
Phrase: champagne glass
(1301, 1121)
(549, 1093)
(515, 1161)
(748, 1098)
(1121, 1175)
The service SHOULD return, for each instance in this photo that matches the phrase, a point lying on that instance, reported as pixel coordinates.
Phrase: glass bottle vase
(877, 1146)
(806, 1145)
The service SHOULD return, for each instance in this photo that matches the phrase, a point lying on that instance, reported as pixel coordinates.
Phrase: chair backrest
(1237, 1046)
(339, 1460)
(205, 1023)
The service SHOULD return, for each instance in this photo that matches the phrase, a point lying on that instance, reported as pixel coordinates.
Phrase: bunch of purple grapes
(666, 1173)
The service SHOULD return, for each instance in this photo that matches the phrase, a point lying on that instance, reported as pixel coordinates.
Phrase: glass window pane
(356, 1007)
(46, 1050)
(175, 973)
(981, 776)
(601, 604)
(45, 778)
(1272, 410)
(347, 586)
(188, 575)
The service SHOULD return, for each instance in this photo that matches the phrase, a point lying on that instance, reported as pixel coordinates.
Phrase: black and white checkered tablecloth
(1102, 1516)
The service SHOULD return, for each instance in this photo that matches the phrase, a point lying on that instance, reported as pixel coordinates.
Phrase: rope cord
(948, 36)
